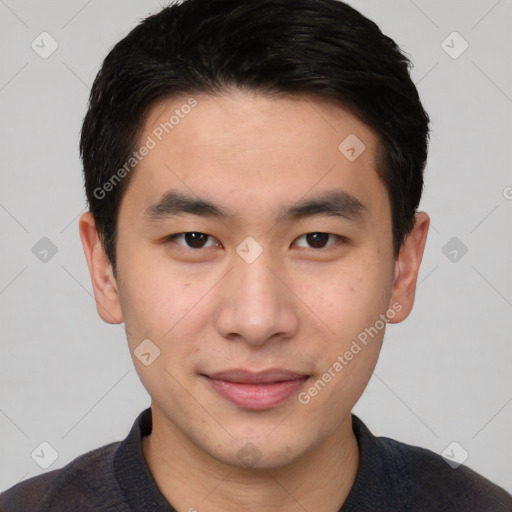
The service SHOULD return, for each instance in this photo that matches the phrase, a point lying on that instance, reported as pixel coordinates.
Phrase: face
(257, 258)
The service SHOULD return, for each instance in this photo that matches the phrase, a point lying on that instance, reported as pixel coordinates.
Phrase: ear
(103, 282)
(407, 267)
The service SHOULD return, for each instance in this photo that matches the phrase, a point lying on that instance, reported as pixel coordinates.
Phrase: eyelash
(340, 239)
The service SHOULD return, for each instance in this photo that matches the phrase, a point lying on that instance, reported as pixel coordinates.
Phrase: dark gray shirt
(392, 477)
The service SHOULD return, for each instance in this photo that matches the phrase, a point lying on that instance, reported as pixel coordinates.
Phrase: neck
(191, 480)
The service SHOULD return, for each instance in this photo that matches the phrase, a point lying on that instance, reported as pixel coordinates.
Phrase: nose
(257, 303)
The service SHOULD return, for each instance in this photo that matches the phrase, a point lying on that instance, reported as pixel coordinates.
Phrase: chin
(259, 452)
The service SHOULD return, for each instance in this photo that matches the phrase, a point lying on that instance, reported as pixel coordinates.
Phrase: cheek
(170, 308)
(163, 310)
(153, 303)
(348, 299)
(351, 306)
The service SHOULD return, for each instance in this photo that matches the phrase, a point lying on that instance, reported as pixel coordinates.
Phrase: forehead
(250, 120)
(251, 150)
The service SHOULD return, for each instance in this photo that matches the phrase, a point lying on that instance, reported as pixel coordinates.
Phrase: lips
(256, 391)
(264, 377)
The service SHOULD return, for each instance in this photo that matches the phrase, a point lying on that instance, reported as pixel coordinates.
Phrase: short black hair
(319, 48)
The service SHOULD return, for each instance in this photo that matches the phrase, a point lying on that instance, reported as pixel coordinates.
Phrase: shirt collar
(132, 472)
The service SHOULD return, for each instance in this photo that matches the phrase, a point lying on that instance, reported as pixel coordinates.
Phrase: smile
(256, 391)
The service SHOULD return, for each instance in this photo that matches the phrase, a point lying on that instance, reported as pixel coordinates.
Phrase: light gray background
(444, 374)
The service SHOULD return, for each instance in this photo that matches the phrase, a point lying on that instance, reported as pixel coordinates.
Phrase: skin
(295, 307)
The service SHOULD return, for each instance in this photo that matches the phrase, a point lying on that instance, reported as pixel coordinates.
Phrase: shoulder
(426, 478)
(86, 483)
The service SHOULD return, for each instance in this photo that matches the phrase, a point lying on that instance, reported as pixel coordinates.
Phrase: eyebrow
(333, 203)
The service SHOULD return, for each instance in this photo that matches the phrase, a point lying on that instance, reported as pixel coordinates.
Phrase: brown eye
(317, 240)
(192, 239)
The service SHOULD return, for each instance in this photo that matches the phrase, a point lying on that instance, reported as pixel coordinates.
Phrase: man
(253, 171)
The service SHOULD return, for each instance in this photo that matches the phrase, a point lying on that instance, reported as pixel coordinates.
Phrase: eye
(192, 240)
(318, 240)
(197, 240)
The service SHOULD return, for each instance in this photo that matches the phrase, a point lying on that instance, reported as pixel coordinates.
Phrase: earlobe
(407, 267)
(100, 269)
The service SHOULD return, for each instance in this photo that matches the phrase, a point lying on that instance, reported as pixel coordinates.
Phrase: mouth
(256, 391)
